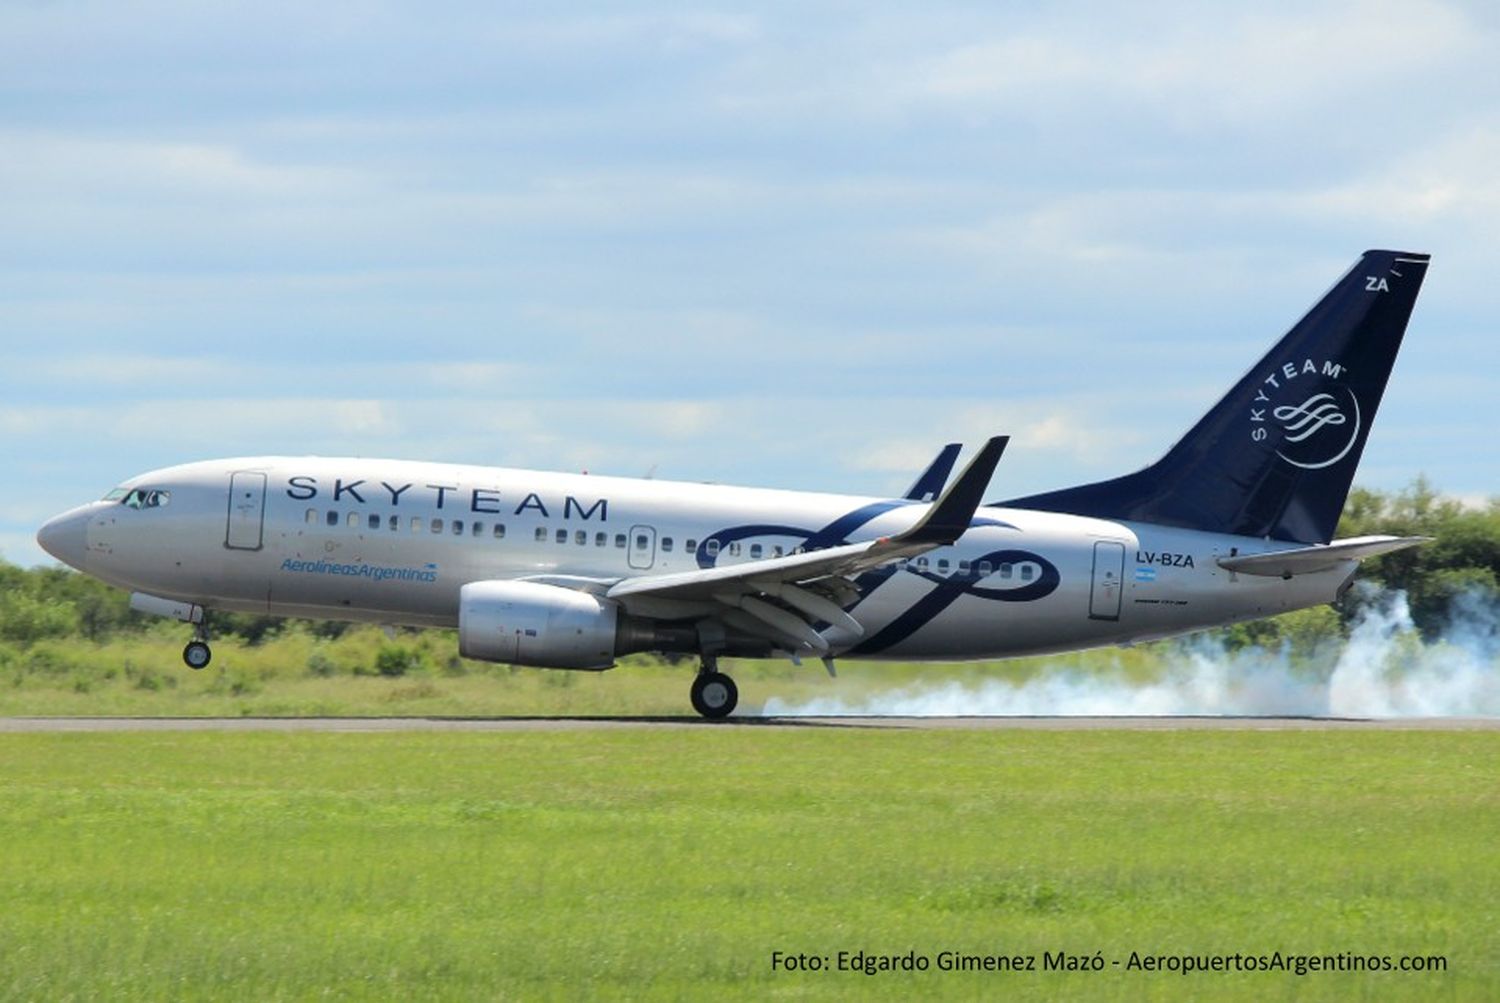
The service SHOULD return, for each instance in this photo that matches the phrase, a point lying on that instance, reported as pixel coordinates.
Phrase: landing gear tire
(197, 655)
(714, 695)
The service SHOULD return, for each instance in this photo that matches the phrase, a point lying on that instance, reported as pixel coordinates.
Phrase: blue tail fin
(1276, 456)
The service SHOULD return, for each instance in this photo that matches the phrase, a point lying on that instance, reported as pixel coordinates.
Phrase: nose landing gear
(198, 654)
(714, 694)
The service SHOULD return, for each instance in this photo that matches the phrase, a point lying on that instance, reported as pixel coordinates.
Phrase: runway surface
(377, 724)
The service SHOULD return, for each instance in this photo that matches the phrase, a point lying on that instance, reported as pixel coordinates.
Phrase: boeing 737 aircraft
(570, 571)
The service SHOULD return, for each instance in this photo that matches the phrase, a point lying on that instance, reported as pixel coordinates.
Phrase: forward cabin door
(247, 510)
(1109, 580)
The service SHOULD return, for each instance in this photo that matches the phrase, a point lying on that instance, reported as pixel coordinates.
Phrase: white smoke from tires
(1385, 669)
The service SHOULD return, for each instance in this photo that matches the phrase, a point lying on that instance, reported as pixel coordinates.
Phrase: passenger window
(395, 523)
(943, 565)
(776, 550)
(734, 549)
(691, 546)
(755, 550)
(963, 567)
(666, 544)
(985, 569)
(619, 540)
(581, 537)
(1005, 571)
(641, 540)
(416, 524)
(922, 563)
(478, 528)
(562, 536)
(333, 518)
(437, 525)
(499, 531)
(354, 521)
(458, 527)
(541, 534)
(1026, 572)
(711, 547)
(312, 515)
(374, 521)
(601, 539)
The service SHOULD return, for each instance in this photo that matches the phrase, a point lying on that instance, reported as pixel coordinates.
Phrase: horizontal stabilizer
(1308, 560)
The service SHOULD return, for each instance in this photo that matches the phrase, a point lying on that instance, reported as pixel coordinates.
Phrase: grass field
(297, 674)
(672, 863)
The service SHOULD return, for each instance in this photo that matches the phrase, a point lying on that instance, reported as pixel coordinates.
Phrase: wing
(782, 598)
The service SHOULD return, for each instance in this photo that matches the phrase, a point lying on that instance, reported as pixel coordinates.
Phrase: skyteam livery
(568, 571)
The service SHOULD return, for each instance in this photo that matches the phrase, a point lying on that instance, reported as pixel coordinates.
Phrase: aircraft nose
(65, 537)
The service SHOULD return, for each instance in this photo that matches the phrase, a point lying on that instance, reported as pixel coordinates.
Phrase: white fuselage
(393, 541)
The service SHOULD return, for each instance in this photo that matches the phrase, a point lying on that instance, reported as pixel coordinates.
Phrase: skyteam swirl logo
(1308, 418)
(1005, 575)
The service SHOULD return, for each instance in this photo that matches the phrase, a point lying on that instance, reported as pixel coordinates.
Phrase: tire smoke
(1385, 669)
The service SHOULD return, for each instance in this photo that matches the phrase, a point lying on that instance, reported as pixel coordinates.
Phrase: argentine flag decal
(1145, 574)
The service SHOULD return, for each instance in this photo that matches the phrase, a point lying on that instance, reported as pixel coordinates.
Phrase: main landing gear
(198, 654)
(714, 693)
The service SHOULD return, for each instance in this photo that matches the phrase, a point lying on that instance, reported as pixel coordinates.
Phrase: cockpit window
(146, 498)
(116, 494)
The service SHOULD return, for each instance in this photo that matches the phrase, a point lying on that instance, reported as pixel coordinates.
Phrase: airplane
(572, 571)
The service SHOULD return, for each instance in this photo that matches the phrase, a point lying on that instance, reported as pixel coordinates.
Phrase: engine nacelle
(527, 623)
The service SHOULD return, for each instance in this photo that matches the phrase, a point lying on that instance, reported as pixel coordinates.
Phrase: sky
(789, 245)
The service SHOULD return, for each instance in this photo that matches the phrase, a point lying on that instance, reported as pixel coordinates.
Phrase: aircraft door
(642, 553)
(1109, 581)
(247, 510)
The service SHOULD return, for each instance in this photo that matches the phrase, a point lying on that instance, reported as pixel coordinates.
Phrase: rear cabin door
(247, 510)
(1109, 580)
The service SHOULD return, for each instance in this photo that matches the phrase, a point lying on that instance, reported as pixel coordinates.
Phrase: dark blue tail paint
(1276, 456)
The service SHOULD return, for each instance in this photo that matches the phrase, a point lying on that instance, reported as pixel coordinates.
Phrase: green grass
(297, 674)
(295, 670)
(671, 863)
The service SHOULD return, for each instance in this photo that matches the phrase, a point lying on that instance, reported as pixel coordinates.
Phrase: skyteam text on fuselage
(570, 571)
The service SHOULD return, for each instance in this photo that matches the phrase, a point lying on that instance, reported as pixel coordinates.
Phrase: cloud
(56, 165)
(1235, 66)
(802, 247)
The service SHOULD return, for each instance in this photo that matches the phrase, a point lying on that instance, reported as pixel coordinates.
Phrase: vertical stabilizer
(1276, 456)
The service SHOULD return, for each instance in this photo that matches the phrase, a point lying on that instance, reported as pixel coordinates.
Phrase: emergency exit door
(642, 547)
(247, 510)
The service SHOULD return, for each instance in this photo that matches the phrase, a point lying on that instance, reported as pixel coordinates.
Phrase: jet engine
(528, 623)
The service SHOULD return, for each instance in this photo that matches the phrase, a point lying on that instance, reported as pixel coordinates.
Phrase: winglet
(949, 517)
(930, 484)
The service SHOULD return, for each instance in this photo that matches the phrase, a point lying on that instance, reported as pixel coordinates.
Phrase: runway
(15, 725)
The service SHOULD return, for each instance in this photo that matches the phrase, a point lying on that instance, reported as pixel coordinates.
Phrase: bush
(27, 619)
(320, 665)
(396, 660)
